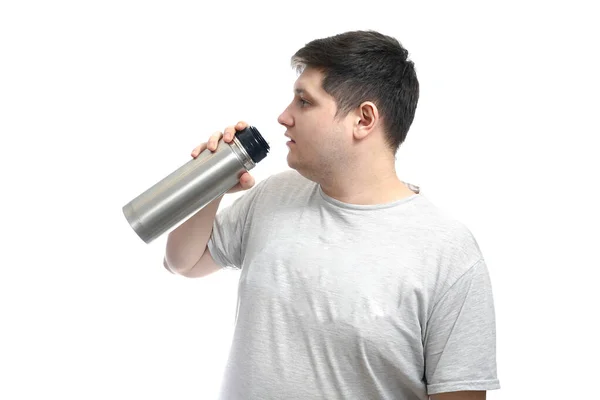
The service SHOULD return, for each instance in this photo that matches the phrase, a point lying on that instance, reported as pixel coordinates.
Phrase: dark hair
(363, 66)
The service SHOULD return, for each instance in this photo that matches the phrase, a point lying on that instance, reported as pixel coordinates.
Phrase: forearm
(186, 243)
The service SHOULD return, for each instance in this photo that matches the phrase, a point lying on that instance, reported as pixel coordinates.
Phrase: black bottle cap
(256, 146)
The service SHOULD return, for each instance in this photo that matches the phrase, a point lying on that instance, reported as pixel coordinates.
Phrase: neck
(368, 183)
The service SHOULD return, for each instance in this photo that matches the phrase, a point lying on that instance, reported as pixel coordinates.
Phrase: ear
(367, 118)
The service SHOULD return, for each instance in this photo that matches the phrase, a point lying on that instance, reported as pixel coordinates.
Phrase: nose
(285, 119)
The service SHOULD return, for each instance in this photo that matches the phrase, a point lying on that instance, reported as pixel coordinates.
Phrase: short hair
(361, 66)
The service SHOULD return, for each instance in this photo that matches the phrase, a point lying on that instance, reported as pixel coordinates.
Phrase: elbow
(201, 268)
(185, 272)
(174, 269)
(166, 265)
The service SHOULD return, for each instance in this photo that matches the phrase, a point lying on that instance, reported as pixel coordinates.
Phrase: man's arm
(468, 395)
(186, 251)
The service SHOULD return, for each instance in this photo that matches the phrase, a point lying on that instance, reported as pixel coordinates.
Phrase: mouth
(289, 137)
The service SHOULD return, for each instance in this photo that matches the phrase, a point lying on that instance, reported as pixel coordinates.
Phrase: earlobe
(361, 130)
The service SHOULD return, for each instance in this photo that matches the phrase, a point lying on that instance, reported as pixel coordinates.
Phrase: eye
(303, 103)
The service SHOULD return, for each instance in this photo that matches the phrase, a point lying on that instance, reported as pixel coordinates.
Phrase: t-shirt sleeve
(230, 228)
(460, 343)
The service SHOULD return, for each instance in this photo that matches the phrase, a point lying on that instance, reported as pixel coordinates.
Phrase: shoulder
(448, 238)
(288, 177)
(286, 184)
(272, 193)
(441, 222)
(447, 249)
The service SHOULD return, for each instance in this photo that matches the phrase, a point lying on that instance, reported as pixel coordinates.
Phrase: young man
(353, 285)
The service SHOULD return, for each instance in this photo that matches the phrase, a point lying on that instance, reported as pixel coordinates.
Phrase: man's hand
(246, 180)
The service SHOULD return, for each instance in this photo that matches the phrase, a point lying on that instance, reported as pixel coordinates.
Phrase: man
(353, 285)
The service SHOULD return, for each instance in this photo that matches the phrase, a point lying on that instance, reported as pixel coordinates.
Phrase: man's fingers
(198, 150)
(230, 131)
(213, 141)
(228, 134)
(241, 125)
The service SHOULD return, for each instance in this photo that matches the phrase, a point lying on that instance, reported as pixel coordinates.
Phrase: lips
(288, 136)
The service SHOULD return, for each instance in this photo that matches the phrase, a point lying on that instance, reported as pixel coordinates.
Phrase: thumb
(247, 181)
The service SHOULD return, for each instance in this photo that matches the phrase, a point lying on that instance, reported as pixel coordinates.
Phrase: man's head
(354, 88)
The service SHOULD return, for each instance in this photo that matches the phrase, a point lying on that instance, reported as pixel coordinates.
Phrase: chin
(290, 160)
(302, 171)
(292, 163)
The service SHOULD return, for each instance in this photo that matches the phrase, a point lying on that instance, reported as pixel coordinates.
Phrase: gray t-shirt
(342, 301)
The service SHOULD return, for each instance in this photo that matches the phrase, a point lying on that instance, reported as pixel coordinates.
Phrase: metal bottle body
(187, 190)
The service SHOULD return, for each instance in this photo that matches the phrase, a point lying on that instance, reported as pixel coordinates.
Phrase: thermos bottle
(195, 184)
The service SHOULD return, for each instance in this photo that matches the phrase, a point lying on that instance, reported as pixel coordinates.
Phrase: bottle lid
(254, 144)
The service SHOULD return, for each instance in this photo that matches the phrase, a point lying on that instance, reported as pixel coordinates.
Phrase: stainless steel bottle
(195, 184)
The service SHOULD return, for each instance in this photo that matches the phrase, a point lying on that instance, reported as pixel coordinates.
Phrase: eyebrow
(302, 91)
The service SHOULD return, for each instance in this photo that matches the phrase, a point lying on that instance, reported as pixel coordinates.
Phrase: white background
(99, 100)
